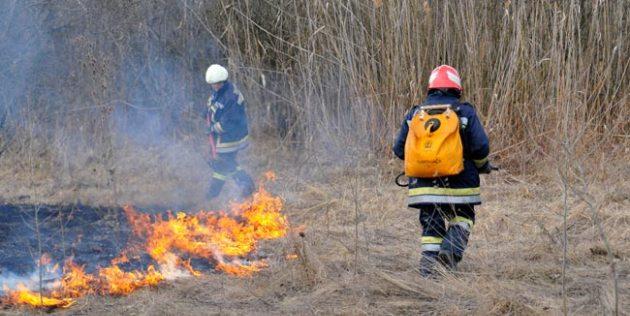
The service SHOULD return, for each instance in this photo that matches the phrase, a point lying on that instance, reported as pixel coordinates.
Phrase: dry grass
(361, 259)
(549, 80)
(531, 68)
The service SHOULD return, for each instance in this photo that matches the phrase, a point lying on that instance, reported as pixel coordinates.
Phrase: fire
(211, 235)
(226, 239)
(75, 282)
(238, 268)
(24, 296)
(118, 282)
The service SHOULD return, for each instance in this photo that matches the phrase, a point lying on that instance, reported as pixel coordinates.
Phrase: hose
(399, 183)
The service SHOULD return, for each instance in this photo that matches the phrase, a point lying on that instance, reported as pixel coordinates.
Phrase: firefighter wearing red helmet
(446, 203)
(445, 77)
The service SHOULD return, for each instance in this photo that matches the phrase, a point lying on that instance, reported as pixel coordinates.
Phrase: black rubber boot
(427, 263)
(447, 259)
(215, 188)
(453, 246)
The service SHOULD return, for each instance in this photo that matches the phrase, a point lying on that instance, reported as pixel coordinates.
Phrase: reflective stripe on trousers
(435, 195)
(461, 221)
(430, 243)
(224, 177)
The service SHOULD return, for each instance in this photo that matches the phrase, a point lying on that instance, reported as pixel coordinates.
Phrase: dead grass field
(107, 114)
(361, 247)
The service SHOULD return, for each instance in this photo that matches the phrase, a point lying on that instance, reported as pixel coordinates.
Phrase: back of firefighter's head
(216, 75)
(445, 78)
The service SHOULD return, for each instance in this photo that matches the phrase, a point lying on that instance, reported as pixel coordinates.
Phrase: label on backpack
(434, 146)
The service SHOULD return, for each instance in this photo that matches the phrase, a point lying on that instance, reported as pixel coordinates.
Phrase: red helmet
(445, 77)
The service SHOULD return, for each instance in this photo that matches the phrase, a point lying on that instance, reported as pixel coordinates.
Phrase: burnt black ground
(91, 235)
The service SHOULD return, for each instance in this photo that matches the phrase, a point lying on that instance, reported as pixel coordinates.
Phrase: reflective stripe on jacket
(226, 110)
(462, 188)
(228, 147)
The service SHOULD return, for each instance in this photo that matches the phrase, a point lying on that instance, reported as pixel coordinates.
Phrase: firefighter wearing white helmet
(216, 74)
(228, 132)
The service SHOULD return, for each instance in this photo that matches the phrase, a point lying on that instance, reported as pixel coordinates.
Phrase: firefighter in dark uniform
(447, 204)
(228, 130)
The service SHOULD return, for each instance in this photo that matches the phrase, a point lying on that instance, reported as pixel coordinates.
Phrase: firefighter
(228, 132)
(447, 204)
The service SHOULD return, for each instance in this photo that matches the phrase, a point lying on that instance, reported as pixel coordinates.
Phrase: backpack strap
(414, 111)
(462, 119)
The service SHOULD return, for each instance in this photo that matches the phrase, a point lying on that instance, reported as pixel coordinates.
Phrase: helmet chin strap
(217, 86)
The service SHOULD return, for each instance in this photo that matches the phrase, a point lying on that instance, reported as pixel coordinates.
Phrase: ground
(360, 249)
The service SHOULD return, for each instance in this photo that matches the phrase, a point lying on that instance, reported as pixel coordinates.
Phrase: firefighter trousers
(438, 237)
(225, 166)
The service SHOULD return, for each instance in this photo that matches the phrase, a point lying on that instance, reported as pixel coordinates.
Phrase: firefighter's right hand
(209, 130)
(487, 168)
(215, 128)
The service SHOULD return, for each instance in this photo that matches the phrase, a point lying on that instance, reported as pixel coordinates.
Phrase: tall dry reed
(348, 66)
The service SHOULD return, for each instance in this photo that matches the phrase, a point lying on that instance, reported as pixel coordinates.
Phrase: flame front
(24, 296)
(212, 236)
(118, 282)
(75, 282)
(225, 239)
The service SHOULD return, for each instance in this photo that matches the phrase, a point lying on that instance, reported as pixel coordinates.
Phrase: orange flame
(238, 268)
(212, 236)
(24, 296)
(226, 239)
(118, 282)
(75, 282)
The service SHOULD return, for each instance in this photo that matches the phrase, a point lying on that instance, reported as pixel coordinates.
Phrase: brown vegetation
(327, 84)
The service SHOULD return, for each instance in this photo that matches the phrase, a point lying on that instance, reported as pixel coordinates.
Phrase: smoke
(49, 278)
(18, 57)
(108, 90)
(109, 96)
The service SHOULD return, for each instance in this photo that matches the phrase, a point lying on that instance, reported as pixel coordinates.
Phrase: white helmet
(216, 73)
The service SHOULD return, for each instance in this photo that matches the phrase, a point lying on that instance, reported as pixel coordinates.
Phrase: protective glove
(209, 130)
(214, 128)
(487, 168)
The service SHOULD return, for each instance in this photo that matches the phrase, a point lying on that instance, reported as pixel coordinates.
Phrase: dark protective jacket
(226, 114)
(462, 188)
